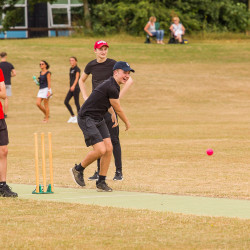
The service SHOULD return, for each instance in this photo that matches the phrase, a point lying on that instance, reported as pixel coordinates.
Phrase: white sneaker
(70, 119)
(74, 119)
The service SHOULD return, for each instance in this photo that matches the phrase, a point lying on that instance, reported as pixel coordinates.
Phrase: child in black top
(74, 75)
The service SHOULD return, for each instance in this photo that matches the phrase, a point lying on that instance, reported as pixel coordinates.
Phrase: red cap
(99, 44)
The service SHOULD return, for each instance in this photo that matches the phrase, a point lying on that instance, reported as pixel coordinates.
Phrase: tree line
(108, 17)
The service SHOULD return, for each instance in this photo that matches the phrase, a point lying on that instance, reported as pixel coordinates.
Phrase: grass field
(185, 99)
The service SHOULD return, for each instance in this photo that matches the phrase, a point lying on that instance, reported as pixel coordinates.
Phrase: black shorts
(4, 138)
(93, 131)
(114, 132)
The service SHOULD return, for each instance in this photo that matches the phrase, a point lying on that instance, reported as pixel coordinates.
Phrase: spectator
(177, 29)
(8, 72)
(74, 90)
(151, 30)
(44, 92)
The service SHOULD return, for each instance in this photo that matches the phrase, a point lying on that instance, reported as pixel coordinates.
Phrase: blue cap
(122, 65)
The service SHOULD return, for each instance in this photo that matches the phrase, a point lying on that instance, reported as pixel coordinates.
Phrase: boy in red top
(5, 190)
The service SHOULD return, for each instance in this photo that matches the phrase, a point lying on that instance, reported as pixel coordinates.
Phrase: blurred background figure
(153, 31)
(8, 72)
(177, 29)
(44, 92)
(74, 90)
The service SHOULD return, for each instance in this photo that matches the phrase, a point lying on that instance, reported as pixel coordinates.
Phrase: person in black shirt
(92, 123)
(74, 74)
(101, 69)
(8, 72)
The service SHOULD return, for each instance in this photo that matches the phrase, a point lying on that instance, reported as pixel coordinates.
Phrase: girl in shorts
(44, 92)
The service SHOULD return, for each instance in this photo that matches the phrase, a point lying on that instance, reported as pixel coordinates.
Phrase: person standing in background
(8, 72)
(74, 91)
(44, 92)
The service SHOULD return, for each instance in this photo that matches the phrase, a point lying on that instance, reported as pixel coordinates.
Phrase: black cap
(122, 65)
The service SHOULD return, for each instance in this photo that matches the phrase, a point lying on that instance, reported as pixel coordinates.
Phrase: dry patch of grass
(46, 225)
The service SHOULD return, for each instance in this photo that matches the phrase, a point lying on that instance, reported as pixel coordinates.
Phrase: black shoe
(94, 177)
(118, 176)
(77, 176)
(5, 191)
(103, 187)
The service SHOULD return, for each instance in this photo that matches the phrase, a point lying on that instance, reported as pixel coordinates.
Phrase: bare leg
(106, 158)
(179, 38)
(6, 105)
(3, 162)
(46, 106)
(98, 151)
(39, 105)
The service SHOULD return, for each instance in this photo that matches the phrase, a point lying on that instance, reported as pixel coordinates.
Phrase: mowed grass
(185, 99)
(46, 225)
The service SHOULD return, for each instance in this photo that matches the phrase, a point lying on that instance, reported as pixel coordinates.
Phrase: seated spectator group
(153, 30)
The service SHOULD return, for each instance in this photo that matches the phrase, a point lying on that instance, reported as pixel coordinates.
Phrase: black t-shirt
(72, 75)
(6, 68)
(99, 71)
(98, 102)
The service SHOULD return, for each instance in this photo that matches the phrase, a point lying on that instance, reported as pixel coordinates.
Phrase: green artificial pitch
(202, 206)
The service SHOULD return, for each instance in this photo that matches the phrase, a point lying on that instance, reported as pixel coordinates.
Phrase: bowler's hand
(127, 126)
(114, 120)
(72, 88)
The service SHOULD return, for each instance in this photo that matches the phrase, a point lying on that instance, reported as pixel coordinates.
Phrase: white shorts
(8, 90)
(42, 93)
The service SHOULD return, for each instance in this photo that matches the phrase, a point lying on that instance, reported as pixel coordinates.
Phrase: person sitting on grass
(151, 30)
(177, 29)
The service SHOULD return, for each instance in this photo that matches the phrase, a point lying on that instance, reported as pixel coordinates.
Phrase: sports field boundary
(201, 206)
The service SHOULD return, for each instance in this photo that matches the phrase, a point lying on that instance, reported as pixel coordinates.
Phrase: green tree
(87, 16)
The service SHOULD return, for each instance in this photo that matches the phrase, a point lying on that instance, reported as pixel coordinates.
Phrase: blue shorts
(93, 131)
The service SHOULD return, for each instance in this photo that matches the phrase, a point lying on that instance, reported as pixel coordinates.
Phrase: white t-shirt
(151, 27)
